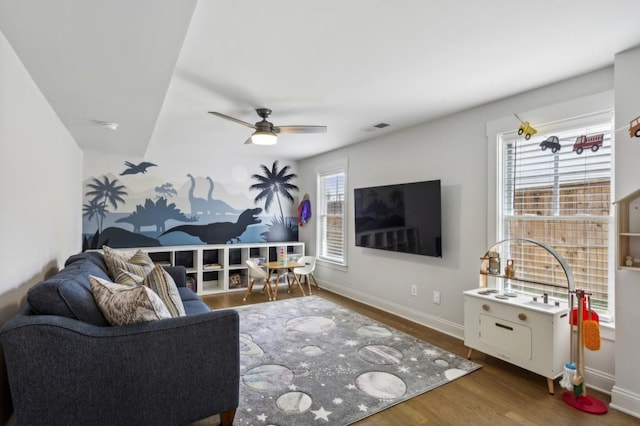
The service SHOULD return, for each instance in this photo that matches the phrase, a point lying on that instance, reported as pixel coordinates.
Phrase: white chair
(309, 265)
(257, 273)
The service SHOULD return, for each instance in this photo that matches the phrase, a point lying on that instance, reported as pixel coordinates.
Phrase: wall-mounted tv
(404, 217)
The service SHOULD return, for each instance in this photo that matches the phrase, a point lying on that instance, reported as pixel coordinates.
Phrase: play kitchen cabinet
(508, 321)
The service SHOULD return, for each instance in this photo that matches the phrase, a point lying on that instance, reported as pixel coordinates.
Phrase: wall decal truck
(588, 142)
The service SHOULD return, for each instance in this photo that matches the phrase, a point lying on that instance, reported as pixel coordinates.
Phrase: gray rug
(308, 361)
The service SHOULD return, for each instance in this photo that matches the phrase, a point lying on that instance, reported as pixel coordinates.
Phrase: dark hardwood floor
(497, 394)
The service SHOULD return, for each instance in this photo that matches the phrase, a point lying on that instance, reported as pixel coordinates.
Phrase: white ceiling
(157, 66)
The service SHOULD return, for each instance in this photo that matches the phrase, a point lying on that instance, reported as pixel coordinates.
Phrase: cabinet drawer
(511, 340)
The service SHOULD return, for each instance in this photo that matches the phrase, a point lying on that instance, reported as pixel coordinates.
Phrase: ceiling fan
(265, 132)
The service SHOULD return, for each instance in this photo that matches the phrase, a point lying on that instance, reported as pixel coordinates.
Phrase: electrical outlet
(436, 297)
(414, 290)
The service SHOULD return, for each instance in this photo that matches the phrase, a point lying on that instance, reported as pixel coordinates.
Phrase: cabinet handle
(522, 317)
(504, 326)
(485, 307)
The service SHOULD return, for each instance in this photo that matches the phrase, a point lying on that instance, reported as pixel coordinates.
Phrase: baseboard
(625, 401)
(433, 322)
(599, 380)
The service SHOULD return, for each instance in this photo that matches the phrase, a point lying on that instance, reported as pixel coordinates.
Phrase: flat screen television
(404, 217)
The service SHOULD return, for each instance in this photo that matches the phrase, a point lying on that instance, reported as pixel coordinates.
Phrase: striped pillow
(139, 270)
(161, 282)
(115, 259)
(127, 278)
(123, 304)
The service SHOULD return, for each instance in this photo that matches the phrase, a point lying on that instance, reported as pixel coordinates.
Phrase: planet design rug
(307, 361)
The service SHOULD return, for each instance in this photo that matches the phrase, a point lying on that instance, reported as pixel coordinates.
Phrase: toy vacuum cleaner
(587, 335)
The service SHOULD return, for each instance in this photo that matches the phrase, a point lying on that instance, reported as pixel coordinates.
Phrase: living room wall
(453, 149)
(41, 172)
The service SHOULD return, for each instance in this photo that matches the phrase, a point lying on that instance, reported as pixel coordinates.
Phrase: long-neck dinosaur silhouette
(198, 205)
(218, 207)
(210, 193)
(221, 232)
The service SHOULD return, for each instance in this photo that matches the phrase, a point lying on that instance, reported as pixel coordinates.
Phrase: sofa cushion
(94, 257)
(68, 293)
(193, 307)
(187, 294)
(123, 304)
(191, 302)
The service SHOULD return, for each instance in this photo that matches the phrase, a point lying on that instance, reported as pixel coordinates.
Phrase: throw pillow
(122, 304)
(127, 278)
(115, 259)
(161, 282)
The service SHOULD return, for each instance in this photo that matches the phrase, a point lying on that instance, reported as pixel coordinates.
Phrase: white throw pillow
(124, 304)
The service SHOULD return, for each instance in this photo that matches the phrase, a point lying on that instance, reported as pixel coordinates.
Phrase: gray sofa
(67, 366)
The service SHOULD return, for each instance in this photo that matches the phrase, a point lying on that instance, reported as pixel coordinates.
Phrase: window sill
(332, 265)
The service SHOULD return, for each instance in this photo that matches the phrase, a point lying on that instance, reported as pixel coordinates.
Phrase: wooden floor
(496, 394)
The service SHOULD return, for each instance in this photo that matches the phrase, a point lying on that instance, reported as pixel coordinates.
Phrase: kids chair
(257, 273)
(308, 265)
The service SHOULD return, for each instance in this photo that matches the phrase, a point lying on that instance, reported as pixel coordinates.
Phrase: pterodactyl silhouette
(136, 168)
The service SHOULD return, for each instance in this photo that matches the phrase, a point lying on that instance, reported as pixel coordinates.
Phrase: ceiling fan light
(264, 137)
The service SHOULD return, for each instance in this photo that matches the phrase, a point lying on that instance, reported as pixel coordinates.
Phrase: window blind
(553, 194)
(332, 209)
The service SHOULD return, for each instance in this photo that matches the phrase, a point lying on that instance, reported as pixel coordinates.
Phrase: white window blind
(563, 199)
(332, 204)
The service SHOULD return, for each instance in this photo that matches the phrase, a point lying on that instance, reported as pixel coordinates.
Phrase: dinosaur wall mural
(133, 169)
(198, 205)
(155, 214)
(221, 232)
(133, 208)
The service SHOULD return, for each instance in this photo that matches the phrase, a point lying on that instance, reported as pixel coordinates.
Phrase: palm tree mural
(93, 208)
(106, 191)
(272, 185)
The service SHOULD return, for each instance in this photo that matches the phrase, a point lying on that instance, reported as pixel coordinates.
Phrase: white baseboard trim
(433, 322)
(625, 401)
(599, 380)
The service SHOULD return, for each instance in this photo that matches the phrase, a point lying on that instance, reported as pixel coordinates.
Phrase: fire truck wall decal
(588, 142)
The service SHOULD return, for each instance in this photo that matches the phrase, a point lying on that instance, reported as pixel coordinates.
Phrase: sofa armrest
(178, 273)
(172, 371)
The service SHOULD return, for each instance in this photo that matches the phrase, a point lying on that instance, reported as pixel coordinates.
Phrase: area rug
(308, 361)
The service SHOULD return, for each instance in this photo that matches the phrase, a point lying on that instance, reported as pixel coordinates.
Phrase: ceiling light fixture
(264, 137)
(109, 125)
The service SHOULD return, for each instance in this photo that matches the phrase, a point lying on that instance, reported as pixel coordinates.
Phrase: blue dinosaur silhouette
(133, 169)
(221, 232)
(155, 214)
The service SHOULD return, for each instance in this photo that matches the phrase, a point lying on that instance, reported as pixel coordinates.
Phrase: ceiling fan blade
(226, 117)
(300, 129)
(248, 141)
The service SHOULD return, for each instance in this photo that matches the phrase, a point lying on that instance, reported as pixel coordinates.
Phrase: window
(556, 188)
(332, 207)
